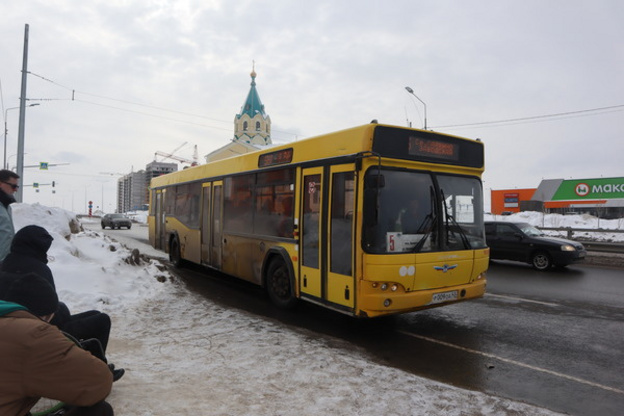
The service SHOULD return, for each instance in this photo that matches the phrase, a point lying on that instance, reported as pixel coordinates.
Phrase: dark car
(116, 221)
(521, 241)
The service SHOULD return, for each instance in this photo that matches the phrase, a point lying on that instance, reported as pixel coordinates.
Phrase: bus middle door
(160, 232)
(206, 223)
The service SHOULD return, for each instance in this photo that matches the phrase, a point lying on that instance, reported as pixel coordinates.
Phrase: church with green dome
(252, 127)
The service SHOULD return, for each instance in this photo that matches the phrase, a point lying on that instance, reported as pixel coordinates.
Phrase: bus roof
(331, 145)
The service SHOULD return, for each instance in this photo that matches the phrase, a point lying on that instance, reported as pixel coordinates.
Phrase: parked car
(116, 221)
(521, 241)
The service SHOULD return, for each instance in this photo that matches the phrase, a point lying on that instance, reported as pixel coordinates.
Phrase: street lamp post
(411, 91)
(6, 132)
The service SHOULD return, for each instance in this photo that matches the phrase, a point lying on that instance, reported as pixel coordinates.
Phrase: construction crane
(192, 162)
(166, 155)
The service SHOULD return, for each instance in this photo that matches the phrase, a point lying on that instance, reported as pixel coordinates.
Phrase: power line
(74, 92)
(150, 115)
(569, 114)
(511, 121)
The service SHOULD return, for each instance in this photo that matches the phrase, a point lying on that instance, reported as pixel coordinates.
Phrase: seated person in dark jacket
(37, 360)
(29, 254)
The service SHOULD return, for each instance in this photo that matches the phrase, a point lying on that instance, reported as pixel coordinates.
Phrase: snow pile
(56, 220)
(582, 221)
(186, 355)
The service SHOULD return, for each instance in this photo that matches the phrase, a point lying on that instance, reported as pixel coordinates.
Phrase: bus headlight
(394, 288)
(384, 286)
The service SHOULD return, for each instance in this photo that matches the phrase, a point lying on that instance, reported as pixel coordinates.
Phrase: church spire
(253, 105)
(252, 124)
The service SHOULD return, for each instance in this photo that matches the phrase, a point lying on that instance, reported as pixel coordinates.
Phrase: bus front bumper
(387, 302)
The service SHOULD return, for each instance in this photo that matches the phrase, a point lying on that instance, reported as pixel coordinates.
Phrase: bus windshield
(415, 211)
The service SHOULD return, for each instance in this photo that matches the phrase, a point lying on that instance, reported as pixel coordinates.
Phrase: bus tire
(174, 252)
(279, 285)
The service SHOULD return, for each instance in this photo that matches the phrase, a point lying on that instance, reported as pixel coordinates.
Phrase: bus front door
(326, 235)
(340, 287)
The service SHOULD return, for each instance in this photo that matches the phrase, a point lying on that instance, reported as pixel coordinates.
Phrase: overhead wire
(495, 123)
(151, 115)
(544, 117)
(74, 92)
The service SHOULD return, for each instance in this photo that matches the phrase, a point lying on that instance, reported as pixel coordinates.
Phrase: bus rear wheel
(174, 252)
(278, 285)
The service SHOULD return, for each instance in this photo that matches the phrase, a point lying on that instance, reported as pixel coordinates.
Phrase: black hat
(29, 290)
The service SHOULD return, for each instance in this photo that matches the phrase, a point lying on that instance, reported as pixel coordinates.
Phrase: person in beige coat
(37, 360)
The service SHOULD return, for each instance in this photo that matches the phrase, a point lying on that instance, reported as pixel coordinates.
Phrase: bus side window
(285, 226)
(237, 215)
(274, 196)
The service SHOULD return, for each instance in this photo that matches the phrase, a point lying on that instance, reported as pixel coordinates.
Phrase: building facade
(133, 188)
(509, 200)
(601, 197)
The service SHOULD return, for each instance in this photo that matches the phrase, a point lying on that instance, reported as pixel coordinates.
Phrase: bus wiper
(429, 219)
(461, 232)
(428, 223)
(450, 217)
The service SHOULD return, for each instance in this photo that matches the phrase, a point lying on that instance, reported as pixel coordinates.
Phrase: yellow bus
(368, 221)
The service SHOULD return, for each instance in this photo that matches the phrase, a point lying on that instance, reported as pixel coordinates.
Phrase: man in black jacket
(29, 254)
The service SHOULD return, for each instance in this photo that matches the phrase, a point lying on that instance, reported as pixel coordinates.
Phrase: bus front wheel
(278, 285)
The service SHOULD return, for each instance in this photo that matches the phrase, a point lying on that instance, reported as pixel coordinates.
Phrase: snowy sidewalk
(185, 355)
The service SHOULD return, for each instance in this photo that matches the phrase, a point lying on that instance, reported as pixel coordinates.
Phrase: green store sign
(604, 188)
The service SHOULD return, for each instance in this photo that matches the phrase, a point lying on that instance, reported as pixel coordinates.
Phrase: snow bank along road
(187, 353)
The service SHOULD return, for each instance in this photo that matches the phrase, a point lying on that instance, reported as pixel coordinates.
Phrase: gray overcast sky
(149, 76)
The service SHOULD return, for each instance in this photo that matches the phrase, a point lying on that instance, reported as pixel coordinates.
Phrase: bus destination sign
(275, 158)
(419, 146)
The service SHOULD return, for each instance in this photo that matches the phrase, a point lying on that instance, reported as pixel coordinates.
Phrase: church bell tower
(252, 125)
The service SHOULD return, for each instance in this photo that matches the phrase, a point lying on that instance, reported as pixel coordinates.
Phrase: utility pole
(22, 119)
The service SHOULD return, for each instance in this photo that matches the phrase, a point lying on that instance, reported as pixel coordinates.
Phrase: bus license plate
(444, 296)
